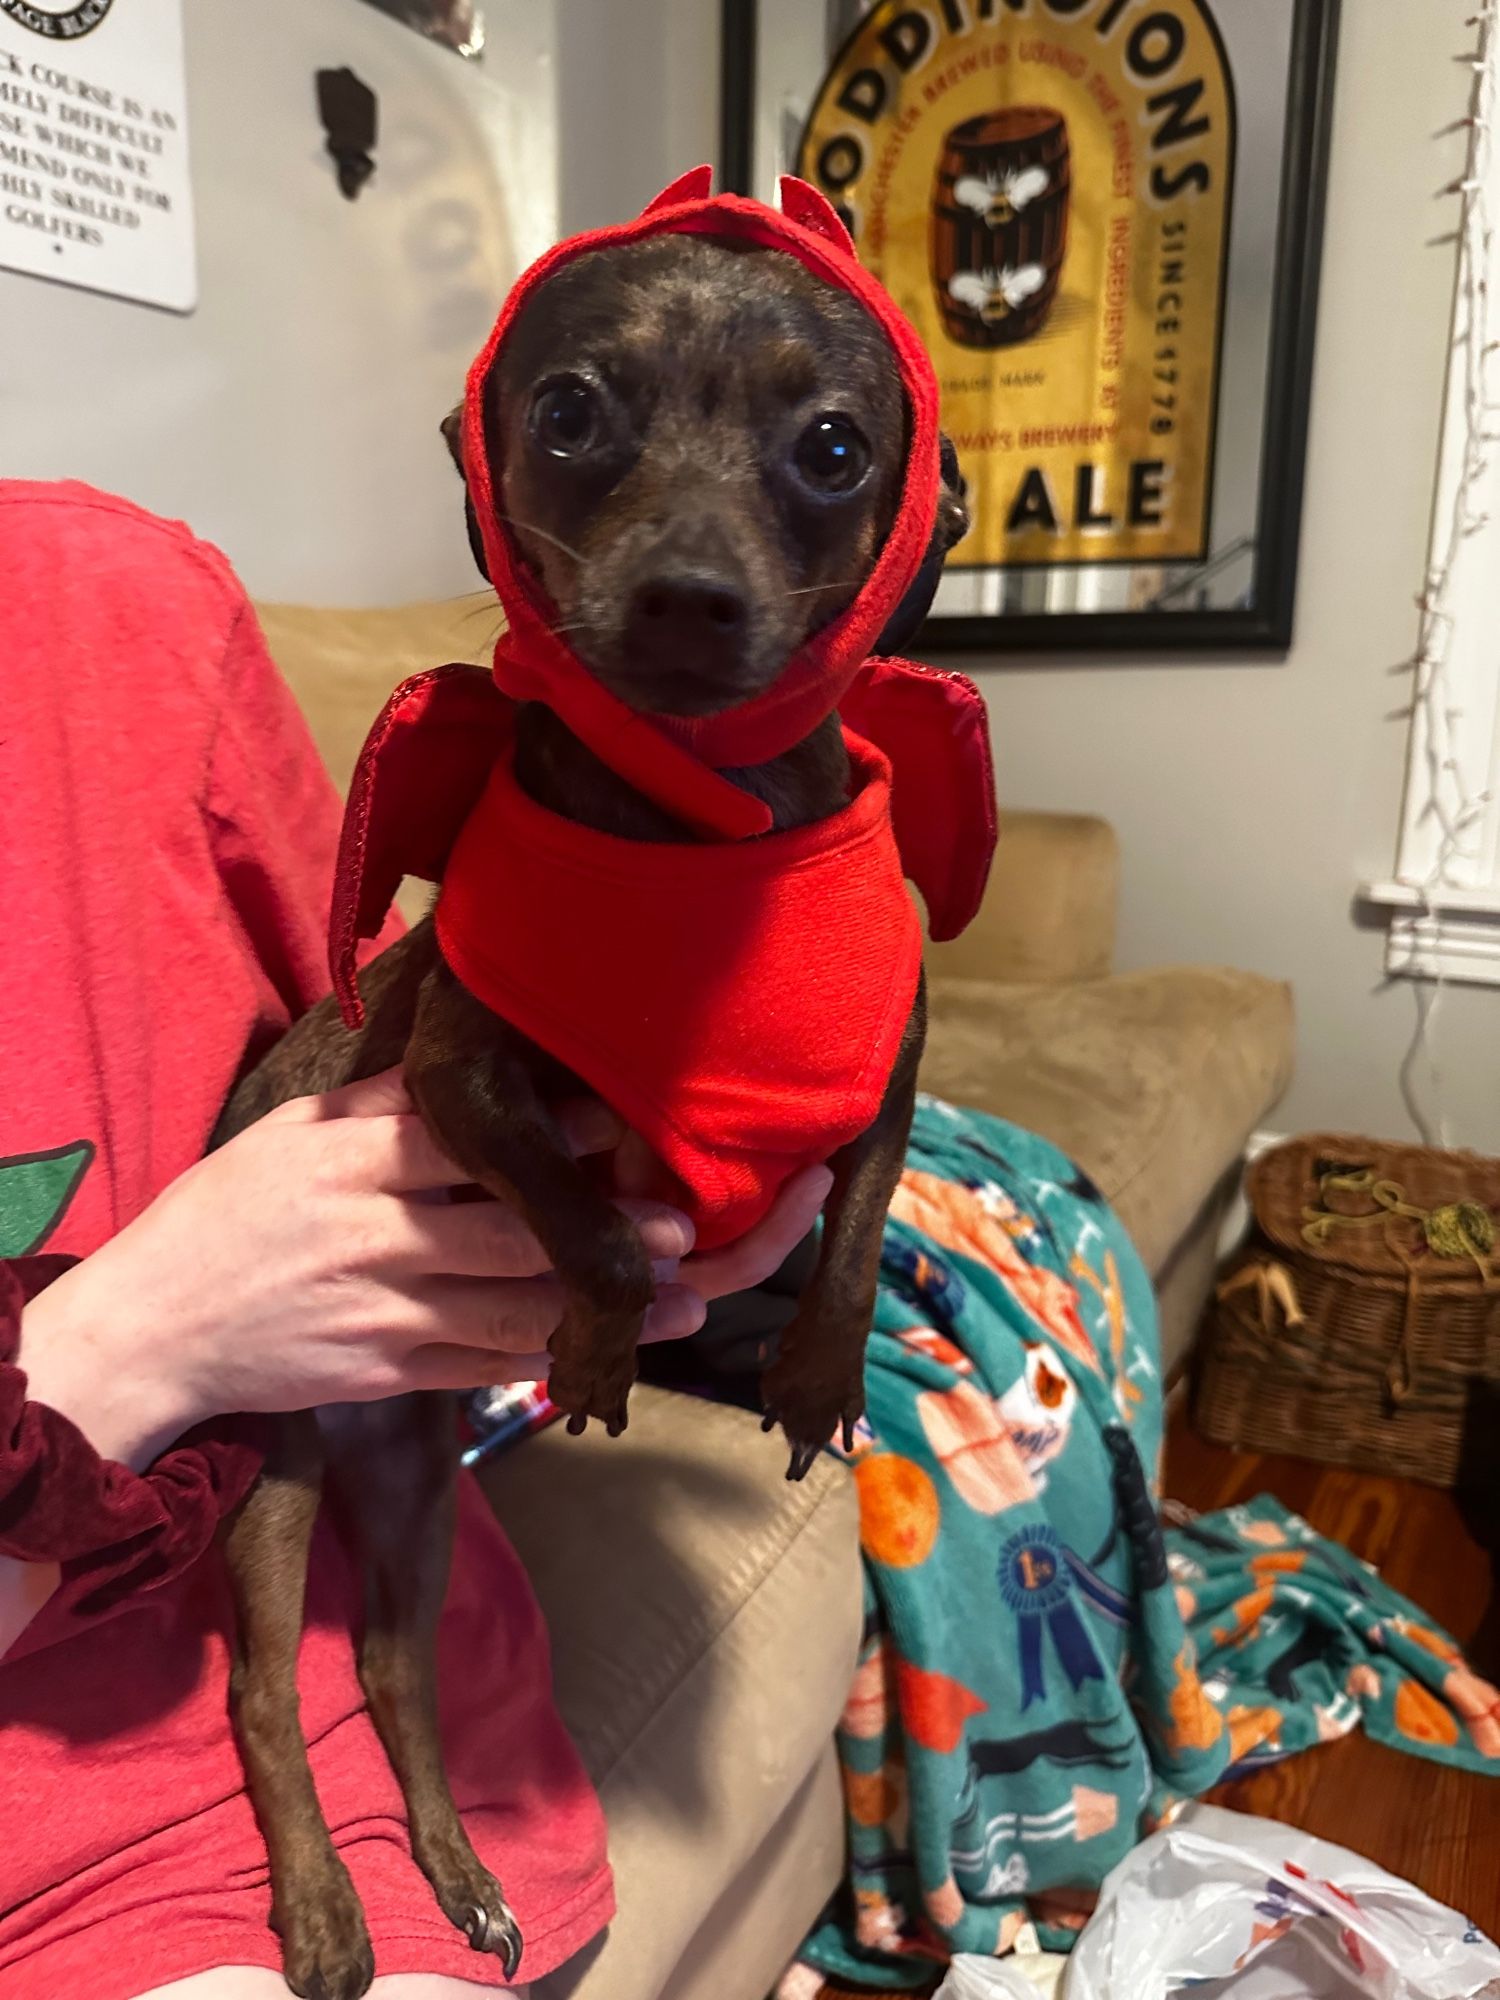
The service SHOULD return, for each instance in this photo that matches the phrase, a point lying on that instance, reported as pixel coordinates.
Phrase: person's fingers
(446, 1366)
(676, 1313)
(520, 1315)
(511, 1316)
(485, 1239)
(588, 1125)
(754, 1257)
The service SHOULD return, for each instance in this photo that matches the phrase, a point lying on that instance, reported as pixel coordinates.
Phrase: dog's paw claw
(802, 1459)
(498, 1932)
(768, 1421)
(848, 1429)
(495, 1931)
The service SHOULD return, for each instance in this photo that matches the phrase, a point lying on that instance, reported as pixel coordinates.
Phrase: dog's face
(699, 449)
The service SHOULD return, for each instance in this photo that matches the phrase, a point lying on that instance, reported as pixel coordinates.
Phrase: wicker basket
(1368, 1297)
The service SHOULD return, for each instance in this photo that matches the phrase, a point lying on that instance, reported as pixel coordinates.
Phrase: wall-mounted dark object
(347, 109)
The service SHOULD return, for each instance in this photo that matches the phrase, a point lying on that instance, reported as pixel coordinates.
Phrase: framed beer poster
(1104, 217)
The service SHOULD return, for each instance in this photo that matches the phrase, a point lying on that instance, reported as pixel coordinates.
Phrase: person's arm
(306, 1262)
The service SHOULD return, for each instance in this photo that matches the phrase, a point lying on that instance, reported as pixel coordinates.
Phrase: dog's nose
(699, 612)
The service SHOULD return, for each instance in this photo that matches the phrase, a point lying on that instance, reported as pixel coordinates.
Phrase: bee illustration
(1000, 193)
(995, 295)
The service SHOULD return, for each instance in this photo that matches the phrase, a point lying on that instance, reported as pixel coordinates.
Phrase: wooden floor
(1439, 1828)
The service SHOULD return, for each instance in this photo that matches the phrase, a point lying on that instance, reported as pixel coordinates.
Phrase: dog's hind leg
(325, 1946)
(393, 1469)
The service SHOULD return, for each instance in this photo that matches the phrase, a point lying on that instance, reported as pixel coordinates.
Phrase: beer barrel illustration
(1000, 224)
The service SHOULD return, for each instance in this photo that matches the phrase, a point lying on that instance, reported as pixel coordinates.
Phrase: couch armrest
(1049, 911)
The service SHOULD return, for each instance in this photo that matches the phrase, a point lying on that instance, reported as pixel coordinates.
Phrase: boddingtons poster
(1044, 186)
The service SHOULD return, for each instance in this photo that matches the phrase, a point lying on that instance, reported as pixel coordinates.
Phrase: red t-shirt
(167, 836)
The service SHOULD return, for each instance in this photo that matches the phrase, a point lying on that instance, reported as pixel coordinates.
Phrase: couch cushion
(341, 665)
(1049, 910)
(705, 1617)
(1151, 1081)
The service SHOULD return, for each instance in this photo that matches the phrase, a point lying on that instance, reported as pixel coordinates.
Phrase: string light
(1455, 807)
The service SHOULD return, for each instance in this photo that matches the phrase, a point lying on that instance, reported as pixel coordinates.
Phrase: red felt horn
(697, 184)
(804, 204)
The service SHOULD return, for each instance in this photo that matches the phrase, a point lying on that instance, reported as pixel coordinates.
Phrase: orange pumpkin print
(898, 1510)
(1250, 1728)
(1247, 1613)
(934, 1707)
(870, 1796)
(1431, 1642)
(1422, 1717)
(1281, 1562)
(1195, 1723)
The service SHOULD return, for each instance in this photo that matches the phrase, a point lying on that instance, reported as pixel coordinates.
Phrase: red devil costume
(739, 999)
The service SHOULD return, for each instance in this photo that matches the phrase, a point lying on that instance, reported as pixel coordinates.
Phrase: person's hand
(314, 1260)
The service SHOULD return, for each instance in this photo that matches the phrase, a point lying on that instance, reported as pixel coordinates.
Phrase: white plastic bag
(1023, 1976)
(1252, 1910)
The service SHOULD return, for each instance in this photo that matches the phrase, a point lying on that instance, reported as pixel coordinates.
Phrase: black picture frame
(1267, 626)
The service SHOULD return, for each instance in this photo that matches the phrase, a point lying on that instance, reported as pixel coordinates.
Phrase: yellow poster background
(1089, 438)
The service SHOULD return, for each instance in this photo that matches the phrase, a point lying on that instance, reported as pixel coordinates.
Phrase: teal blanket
(1043, 1676)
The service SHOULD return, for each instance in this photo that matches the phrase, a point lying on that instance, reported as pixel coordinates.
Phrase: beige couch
(704, 1614)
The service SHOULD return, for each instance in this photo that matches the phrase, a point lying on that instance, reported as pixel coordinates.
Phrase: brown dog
(636, 426)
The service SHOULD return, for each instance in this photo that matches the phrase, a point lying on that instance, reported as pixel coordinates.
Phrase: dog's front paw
(593, 1369)
(811, 1405)
(325, 1946)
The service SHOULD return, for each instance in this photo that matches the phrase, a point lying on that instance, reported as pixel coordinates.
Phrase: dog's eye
(565, 416)
(832, 455)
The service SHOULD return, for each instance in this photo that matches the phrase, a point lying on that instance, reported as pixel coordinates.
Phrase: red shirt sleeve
(114, 1531)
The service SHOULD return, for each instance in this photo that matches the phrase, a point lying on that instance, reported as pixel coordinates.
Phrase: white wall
(293, 418)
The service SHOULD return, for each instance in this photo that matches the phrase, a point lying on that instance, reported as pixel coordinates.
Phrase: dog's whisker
(811, 589)
(542, 535)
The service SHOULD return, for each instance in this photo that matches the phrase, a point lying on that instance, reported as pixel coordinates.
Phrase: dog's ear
(951, 526)
(953, 500)
(452, 428)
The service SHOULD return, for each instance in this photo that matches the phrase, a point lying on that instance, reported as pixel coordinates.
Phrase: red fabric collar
(675, 762)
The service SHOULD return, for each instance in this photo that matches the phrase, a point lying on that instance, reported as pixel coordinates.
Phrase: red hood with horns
(434, 789)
